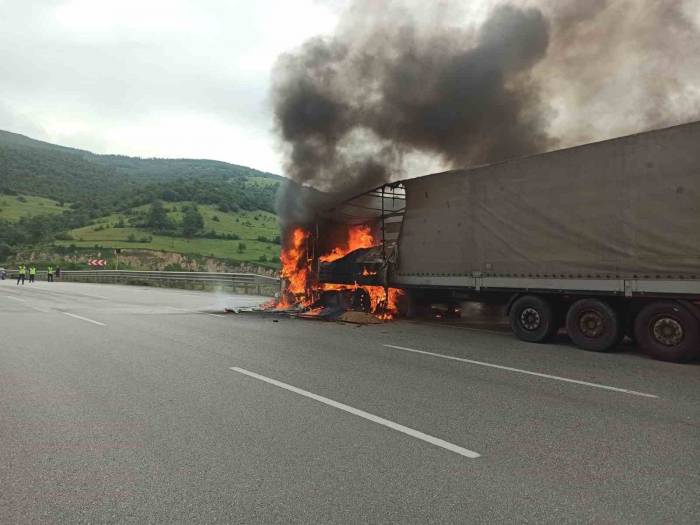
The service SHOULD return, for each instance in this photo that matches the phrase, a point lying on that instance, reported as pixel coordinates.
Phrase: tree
(157, 218)
(241, 247)
(169, 195)
(5, 251)
(192, 221)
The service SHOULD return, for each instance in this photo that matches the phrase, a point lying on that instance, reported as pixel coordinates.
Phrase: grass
(245, 224)
(248, 226)
(260, 182)
(13, 208)
(218, 248)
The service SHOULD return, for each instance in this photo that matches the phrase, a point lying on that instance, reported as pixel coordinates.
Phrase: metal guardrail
(248, 282)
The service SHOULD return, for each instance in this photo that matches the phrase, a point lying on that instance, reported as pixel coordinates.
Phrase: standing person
(32, 273)
(21, 273)
(49, 273)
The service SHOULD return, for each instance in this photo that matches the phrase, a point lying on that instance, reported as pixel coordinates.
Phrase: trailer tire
(361, 301)
(532, 319)
(667, 331)
(594, 325)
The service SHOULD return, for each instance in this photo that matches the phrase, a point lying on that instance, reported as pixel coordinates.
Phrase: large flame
(358, 237)
(296, 269)
(297, 274)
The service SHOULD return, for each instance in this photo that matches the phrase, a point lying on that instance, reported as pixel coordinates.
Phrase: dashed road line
(527, 372)
(365, 415)
(25, 302)
(83, 318)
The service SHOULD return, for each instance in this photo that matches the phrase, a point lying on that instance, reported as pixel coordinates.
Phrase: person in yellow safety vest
(32, 273)
(21, 273)
(49, 273)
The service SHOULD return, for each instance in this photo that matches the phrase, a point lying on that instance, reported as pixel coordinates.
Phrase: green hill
(38, 168)
(14, 207)
(165, 170)
(34, 167)
(243, 236)
(51, 194)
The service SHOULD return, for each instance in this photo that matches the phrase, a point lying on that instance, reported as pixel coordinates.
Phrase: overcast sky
(151, 78)
(190, 78)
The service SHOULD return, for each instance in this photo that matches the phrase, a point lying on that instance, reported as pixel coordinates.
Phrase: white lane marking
(215, 315)
(84, 319)
(365, 415)
(42, 310)
(520, 371)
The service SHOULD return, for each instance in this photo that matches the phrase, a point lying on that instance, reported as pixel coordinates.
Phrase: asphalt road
(139, 405)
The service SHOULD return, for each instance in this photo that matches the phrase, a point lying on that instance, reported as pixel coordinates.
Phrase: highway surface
(139, 405)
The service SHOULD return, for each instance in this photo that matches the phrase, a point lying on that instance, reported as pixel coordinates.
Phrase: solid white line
(84, 319)
(365, 415)
(520, 371)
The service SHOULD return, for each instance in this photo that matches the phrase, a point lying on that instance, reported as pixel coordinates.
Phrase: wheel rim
(530, 319)
(591, 324)
(667, 331)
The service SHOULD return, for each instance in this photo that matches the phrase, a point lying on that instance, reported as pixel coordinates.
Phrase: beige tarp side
(623, 207)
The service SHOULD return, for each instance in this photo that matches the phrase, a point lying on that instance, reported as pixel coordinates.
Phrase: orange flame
(296, 271)
(358, 237)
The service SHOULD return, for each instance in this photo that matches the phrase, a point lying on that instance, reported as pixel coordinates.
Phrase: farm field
(14, 207)
(254, 234)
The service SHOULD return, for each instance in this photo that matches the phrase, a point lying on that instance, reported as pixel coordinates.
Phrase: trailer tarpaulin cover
(623, 207)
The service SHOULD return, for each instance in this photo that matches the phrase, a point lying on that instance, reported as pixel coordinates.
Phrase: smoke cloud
(402, 88)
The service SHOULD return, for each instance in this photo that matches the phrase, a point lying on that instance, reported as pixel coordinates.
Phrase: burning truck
(601, 239)
(336, 265)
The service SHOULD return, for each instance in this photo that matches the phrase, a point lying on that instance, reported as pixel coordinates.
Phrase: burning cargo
(603, 239)
(337, 260)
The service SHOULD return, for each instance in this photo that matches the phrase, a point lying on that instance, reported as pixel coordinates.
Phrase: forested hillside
(36, 168)
(33, 167)
(49, 192)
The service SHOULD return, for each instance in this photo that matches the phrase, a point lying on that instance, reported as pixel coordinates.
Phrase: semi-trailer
(601, 239)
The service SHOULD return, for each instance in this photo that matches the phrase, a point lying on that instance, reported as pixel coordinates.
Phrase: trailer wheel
(532, 319)
(361, 301)
(667, 331)
(593, 325)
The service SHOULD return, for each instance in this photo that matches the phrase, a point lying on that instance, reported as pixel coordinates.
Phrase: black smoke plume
(401, 84)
